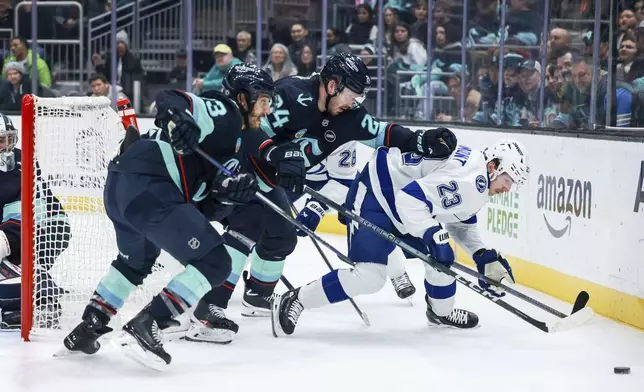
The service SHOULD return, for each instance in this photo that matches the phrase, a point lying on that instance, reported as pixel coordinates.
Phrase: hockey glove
(289, 162)
(311, 215)
(437, 240)
(435, 143)
(493, 265)
(239, 189)
(183, 131)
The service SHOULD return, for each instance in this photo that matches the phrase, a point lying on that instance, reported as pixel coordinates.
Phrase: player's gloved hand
(493, 265)
(182, 129)
(311, 215)
(435, 143)
(437, 240)
(5, 249)
(239, 189)
(343, 219)
(289, 161)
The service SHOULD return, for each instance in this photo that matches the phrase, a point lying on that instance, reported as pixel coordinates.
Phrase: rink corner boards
(622, 307)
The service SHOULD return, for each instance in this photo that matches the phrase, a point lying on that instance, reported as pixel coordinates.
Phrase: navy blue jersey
(10, 203)
(297, 118)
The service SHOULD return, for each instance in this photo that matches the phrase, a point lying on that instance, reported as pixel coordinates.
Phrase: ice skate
(142, 341)
(255, 304)
(209, 324)
(403, 286)
(458, 318)
(84, 338)
(285, 311)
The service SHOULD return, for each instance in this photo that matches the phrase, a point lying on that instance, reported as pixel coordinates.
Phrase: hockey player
(420, 200)
(51, 225)
(320, 114)
(161, 195)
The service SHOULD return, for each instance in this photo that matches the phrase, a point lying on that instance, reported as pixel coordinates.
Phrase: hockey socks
(220, 295)
(340, 285)
(264, 274)
(111, 293)
(441, 290)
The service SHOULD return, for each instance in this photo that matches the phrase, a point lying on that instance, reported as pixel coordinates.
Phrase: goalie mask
(511, 158)
(8, 139)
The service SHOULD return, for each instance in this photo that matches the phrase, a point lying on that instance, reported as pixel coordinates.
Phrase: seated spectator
(300, 37)
(636, 74)
(13, 87)
(280, 64)
(336, 42)
(245, 53)
(627, 54)
(638, 7)
(529, 79)
(627, 22)
(559, 38)
(128, 66)
(604, 36)
(21, 53)
(472, 101)
(582, 80)
(179, 73)
(364, 30)
(563, 57)
(407, 51)
(101, 87)
(419, 28)
(442, 12)
(447, 56)
(390, 21)
(524, 22)
(484, 27)
(306, 64)
(224, 60)
(367, 54)
(16, 85)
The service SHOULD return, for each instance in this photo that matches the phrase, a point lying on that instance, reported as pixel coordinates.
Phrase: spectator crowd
(465, 82)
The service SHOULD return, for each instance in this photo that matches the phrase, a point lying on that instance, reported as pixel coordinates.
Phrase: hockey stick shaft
(277, 209)
(470, 272)
(362, 314)
(390, 237)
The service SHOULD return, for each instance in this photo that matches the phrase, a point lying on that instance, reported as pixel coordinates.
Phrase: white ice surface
(332, 350)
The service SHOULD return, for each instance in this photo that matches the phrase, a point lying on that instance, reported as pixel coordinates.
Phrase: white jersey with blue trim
(417, 193)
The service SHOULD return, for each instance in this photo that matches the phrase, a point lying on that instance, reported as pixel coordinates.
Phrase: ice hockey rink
(333, 350)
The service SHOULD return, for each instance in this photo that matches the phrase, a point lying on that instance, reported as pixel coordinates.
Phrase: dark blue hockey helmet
(349, 71)
(250, 80)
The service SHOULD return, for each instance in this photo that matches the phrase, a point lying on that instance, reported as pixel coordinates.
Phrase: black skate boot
(145, 341)
(255, 304)
(459, 318)
(404, 288)
(209, 324)
(84, 338)
(285, 311)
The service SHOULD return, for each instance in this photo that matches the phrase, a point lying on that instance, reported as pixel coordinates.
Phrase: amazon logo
(562, 200)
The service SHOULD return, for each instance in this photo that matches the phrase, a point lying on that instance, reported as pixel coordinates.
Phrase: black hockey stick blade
(580, 302)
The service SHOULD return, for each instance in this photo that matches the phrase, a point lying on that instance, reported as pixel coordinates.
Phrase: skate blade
(201, 334)
(129, 347)
(446, 326)
(64, 352)
(251, 311)
(410, 300)
(275, 324)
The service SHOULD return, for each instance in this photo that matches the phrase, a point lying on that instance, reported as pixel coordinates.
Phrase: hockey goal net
(68, 242)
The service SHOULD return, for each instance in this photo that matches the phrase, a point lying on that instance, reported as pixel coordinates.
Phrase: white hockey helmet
(512, 159)
(8, 139)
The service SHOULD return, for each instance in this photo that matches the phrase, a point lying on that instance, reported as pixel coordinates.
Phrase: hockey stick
(289, 218)
(580, 313)
(362, 314)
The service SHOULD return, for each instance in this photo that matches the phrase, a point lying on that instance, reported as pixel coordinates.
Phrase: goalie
(52, 226)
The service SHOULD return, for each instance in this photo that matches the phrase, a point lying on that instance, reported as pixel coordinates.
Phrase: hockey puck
(622, 370)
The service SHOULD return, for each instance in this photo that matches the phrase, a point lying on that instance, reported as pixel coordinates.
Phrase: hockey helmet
(349, 71)
(8, 140)
(511, 158)
(250, 80)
